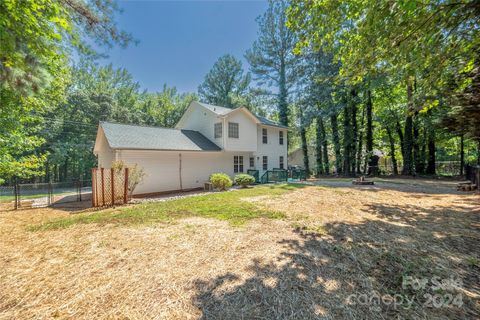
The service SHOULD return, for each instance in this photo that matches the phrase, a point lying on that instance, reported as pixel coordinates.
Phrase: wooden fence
(109, 187)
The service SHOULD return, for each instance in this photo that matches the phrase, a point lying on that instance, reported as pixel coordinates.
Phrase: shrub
(136, 174)
(244, 180)
(221, 181)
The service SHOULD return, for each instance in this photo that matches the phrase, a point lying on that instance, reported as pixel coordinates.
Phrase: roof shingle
(125, 136)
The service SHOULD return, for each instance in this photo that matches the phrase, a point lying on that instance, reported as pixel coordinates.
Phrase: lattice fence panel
(109, 187)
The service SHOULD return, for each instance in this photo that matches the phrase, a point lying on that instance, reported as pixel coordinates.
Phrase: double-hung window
(280, 137)
(252, 162)
(264, 136)
(265, 163)
(237, 164)
(282, 166)
(218, 130)
(233, 130)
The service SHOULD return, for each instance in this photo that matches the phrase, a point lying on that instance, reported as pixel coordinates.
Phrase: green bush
(244, 180)
(221, 181)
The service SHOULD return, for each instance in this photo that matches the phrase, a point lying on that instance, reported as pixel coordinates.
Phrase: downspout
(180, 170)
(224, 133)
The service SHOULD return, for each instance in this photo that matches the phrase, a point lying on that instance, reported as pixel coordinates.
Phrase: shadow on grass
(315, 276)
(415, 186)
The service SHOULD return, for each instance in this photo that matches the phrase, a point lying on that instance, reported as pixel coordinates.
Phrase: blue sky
(180, 40)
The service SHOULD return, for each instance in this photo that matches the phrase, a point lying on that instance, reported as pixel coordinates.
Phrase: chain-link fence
(35, 195)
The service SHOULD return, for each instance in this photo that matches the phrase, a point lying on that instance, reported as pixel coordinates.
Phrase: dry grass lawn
(332, 240)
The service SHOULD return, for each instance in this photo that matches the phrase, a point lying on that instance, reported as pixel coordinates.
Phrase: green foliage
(224, 82)
(36, 40)
(271, 57)
(221, 181)
(136, 174)
(244, 180)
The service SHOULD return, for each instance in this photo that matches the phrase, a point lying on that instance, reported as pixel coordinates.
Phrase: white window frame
(265, 162)
(252, 162)
(264, 135)
(233, 130)
(280, 137)
(238, 164)
(217, 130)
(281, 162)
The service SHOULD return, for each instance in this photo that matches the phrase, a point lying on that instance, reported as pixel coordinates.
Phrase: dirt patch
(335, 241)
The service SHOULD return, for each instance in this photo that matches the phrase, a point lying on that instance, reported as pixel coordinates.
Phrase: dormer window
(233, 130)
(218, 130)
(280, 137)
(264, 136)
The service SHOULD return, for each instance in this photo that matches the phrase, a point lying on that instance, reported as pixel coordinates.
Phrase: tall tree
(36, 40)
(369, 129)
(225, 81)
(271, 57)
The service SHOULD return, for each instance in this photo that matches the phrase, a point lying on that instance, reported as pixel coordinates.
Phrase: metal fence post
(50, 193)
(15, 191)
(19, 195)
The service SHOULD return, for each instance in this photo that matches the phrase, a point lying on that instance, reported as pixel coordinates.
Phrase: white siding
(272, 149)
(162, 168)
(202, 120)
(247, 128)
(105, 154)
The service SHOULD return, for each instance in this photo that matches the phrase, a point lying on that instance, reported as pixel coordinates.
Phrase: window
(218, 130)
(280, 137)
(252, 162)
(233, 130)
(281, 163)
(264, 135)
(265, 163)
(237, 164)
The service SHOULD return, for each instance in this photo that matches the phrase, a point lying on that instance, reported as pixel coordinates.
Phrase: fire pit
(362, 182)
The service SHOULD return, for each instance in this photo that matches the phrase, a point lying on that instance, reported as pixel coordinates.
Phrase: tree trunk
(303, 135)
(408, 134)
(418, 165)
(431, 152)
(318, 148)
(392, 151)
(282, 96)
(478, 152)
(325, 147)
(369, 134)
(336, 142)
(462, 154)
(347, 138)
(400, 137)
(354, 132)
(360, 143)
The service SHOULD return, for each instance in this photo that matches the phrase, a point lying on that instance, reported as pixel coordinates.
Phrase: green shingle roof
(126, 136)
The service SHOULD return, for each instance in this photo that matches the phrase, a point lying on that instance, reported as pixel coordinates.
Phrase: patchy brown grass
(336, 240)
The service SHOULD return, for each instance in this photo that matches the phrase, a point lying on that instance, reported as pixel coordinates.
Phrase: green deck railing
(298, 174)
(274, 176)
(255, 174)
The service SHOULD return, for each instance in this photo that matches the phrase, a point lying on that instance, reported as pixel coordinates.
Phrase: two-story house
(207, 139)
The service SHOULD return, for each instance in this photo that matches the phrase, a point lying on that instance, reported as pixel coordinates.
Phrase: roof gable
(222, 111)
(125, 136)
